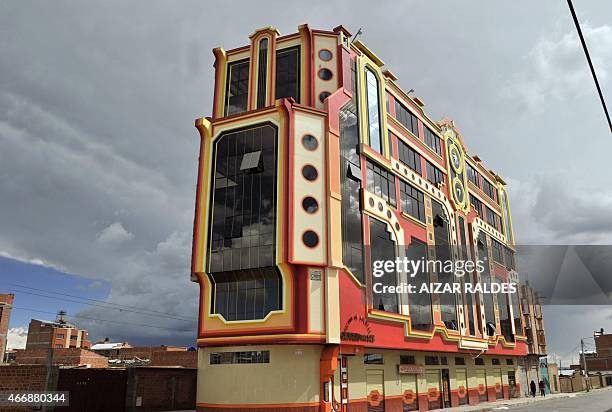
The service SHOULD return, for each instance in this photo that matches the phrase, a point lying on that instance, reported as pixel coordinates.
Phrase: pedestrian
(542, 388)
(532, 386)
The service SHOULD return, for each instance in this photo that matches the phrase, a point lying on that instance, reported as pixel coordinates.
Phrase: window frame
(418, 201)
(370, 106)
(228, 80)
(298, 84)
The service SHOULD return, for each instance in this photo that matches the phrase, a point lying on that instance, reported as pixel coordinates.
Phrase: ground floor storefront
(319, 378)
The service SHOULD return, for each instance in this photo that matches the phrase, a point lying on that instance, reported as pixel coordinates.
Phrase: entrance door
(446, 393)
(434, 389)
(462, 386)
(512, 384)
(499, 388)
(375, 389)
(410, 400)
(481, 381)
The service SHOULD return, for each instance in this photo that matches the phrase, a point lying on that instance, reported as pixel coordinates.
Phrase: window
(58, 346)
(59, 336)
(373, 359)
(459, 361)
(509, 258)
(406, 118)
(412, 201)
(434, 175)
(509, 362)
(433, 141)
(243, 214)
(350, 180)
(409, 156)
(373, 103)
(225, 358)
(485, 280)
(262, 73)
(492, 218)
(466, 254)
(407, 360)
(382, 249)
(473, 175)
(237, 88)
(479, 361)
(419, 303)
(498, 248)
(494, 361)
(443, 360)
(288, 73)
(516, 311)
(441, 228)
(381, 182)
(476, 204)
(432, 360)
(489, 189)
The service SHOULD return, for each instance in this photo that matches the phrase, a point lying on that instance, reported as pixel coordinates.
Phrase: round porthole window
(310, 173)
(310, 142)
(325, 74)
(310, 238)
(323, 96)
(310, 204)
(325, 55)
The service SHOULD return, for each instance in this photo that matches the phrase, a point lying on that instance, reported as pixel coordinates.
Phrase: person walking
(532, 387)
(542, 386)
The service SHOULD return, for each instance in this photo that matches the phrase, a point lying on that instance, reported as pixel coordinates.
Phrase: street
(597, 401)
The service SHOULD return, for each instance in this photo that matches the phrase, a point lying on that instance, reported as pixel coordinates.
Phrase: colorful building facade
(6, 305)
(314, 164)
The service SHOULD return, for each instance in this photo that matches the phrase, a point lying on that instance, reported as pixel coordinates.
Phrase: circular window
(323, 96)
(325, 55)
(310, 204)
(310, 142)
(325, 74)
(310, 173)
(310, 238)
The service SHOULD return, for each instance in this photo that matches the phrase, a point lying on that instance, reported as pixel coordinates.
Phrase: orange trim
(255, 405)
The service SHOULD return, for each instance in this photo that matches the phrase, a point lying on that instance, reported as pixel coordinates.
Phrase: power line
(586, 52)
(120, 307)
(106, 320)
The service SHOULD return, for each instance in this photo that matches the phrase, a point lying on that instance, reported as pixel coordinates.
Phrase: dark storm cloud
(98, 152)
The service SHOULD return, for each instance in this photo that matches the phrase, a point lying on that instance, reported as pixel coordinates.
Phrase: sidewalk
(507, 403)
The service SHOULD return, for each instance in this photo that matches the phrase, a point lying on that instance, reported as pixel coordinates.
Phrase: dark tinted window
(288, 73)
(497, 249)
(485, 279)
(407, 360)
(419, 303)
(443, 254)
(350, 180)
(433, 141)
(373, 358)
(243, 224)
(489, 189)
(412, 201)
(383, 248)
(492, 218)
(476, 204)
(262, 73)
(432, 360)
(237, 88)
(434, 175)
(409, 156)
(505, 323)
(223, 358)
(406, 118)
(459, 361)
(473, 175)
(381, 182)
(479, 361)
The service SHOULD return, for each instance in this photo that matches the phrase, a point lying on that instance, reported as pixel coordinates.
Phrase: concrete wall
(291, 377)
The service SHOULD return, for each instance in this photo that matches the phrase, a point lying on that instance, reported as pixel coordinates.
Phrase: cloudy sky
(98, 152)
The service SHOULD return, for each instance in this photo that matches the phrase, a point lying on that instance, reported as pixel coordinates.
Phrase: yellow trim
(251, 337)
(369, 53)
(412, 218)
(353, 277)
(363, 64)
(222, 67)
(506, 210)
(205, 211)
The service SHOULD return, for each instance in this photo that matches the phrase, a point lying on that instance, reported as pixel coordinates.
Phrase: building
(108, 348)
(6, 304)
(315, 165)
(56, 334)
(533, 367)
(122, 354)
(599, 361)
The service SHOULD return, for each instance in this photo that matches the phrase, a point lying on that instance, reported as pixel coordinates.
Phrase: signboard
(411, 369)
(357, 329)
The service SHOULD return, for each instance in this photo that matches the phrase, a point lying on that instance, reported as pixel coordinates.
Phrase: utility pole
(584, 365)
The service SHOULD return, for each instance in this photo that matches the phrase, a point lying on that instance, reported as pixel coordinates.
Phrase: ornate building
(313, 165)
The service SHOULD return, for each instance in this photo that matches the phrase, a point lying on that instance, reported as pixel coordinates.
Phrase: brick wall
(26, 378)
(64, 356)
(187, 359)
(6, 303)
(157, 389)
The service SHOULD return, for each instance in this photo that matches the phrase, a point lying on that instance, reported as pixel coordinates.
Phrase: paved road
(597, 401)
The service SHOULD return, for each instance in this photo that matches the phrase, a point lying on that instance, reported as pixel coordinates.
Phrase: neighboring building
(56, 334)
(553, 375)
(313, 165)
(6, 304)
(599, 361)
(108, 348)
(531, 367)
(61, 357)
(120, 355)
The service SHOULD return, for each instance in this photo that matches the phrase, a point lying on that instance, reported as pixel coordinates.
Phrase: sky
(98, 155)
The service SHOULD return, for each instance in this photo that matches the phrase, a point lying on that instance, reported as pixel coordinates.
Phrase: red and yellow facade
(324, 344)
